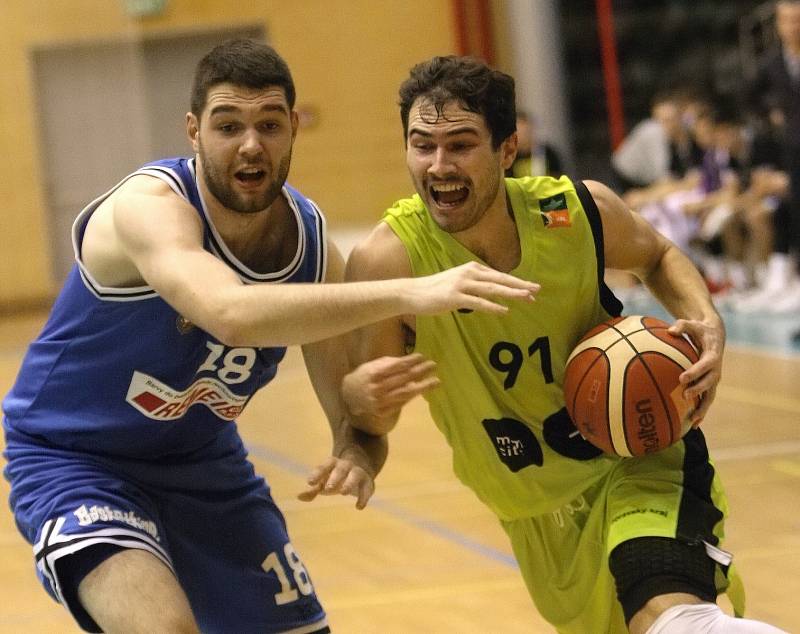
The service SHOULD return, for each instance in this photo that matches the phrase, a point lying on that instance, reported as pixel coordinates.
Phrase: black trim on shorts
(697, 515)
(608, 300)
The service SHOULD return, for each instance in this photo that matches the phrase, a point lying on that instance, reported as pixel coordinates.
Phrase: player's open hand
(702, 378)
(339, 476)
(381, 387)
(471, 286)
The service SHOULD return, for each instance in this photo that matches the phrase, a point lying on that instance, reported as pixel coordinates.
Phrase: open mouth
(449, 194)
(250, 176)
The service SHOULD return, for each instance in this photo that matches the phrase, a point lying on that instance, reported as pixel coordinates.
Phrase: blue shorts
(209, 518)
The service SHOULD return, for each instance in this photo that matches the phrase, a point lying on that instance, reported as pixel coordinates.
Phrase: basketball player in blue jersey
(127, 473)
(605, 544)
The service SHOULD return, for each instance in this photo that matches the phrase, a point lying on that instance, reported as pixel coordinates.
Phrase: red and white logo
(158, 401)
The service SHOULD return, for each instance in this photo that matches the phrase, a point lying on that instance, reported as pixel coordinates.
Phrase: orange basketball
(621, 386)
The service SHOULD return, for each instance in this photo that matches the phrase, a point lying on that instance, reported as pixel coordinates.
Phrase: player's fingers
(309, 493)
(406, 376)
(320, 473)
(481, 305)
(495, 277)
(680, 327)
(351, 483)
(703, 407)
(487, 289)
(365, 491)
(384, 367)
(336, 477)
(402, 395)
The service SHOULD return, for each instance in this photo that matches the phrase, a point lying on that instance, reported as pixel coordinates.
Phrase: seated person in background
(695, 214)
(658, 150)
(535, 157)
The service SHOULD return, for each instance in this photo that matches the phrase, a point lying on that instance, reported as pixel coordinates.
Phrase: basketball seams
(587, 374)
(641, 356)
(616, 399)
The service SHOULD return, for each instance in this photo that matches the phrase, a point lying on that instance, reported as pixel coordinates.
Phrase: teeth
(250, 171)
(446, 187)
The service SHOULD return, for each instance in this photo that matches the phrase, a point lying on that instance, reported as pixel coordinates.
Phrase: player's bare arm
(631, 244)
(357, 457)
(385, 378)
(157, 233)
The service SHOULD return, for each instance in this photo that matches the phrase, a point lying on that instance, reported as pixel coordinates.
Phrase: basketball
(621, 386)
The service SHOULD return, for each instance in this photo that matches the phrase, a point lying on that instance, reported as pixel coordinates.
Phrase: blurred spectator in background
(658, 149)
(535, 157)
(775, 94)
(693, 212)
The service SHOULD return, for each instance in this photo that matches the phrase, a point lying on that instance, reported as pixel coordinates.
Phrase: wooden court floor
(425, 556)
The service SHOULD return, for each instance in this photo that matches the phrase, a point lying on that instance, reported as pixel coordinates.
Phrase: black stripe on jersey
(322, 243)
(607, 298)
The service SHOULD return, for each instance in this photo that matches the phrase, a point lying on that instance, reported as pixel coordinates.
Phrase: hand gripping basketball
(621, 386)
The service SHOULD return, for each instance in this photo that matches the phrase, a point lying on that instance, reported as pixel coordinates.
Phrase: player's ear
(295, 119)
(193, 131)
(508, 150)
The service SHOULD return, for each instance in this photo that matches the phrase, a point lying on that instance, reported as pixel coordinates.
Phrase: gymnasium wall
(348, 58)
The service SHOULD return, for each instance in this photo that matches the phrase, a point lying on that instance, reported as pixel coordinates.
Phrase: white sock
(706, 618)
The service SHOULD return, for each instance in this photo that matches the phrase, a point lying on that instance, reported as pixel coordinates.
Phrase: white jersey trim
(73, 542)
(222, 251)
(322, 237)
(217, 245)
(129, 293)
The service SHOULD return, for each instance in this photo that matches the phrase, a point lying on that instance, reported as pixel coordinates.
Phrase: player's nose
(441, 163)
(250, 145)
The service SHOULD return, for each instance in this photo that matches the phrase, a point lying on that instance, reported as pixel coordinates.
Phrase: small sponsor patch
(158, 401)
(555, 212)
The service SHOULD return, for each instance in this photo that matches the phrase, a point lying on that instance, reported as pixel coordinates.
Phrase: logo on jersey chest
(158, 401)
(555, 212)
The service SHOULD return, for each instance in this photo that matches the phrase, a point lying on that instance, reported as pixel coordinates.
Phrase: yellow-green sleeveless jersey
(500, 403)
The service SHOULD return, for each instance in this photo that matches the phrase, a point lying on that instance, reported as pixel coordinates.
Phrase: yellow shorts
(563, 555)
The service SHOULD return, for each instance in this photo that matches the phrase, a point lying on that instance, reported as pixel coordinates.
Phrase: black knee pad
(646, 567)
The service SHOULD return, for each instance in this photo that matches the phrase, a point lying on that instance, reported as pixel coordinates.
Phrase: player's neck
(264, 241)
(494, 238)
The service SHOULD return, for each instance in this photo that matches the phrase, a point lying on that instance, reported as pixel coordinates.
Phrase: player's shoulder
(542, 186)
(381, 255)
(406, 207)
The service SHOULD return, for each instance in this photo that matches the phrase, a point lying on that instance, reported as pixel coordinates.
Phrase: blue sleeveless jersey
(118, 372)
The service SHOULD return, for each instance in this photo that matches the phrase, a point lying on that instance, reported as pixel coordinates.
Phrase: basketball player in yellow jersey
(605, 544)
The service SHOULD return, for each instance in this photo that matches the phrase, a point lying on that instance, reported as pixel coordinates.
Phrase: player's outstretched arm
(631, 244)
(357, 457)
(160, 236)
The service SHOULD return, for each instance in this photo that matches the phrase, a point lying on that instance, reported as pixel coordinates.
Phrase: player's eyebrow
(228, 108)
(454, 132)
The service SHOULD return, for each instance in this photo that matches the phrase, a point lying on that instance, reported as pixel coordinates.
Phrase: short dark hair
(468, 81)
(241, 62)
